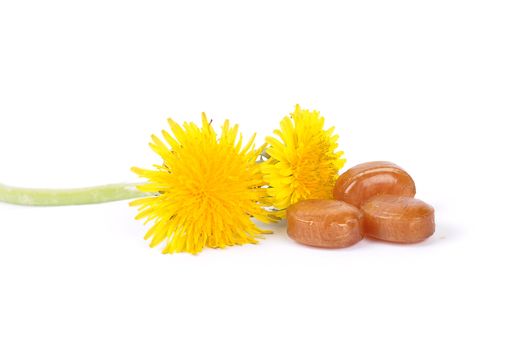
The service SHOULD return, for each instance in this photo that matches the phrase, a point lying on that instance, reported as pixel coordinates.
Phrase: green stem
(75, 196)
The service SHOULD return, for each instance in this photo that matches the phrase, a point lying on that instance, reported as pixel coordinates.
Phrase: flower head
(303, 161)
(208, 189)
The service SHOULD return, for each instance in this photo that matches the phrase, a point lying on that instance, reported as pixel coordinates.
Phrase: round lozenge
(367, 180)
(325, 223)
(398, 219)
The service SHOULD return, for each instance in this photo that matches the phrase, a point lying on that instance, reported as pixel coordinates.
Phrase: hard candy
(398, 219)
(364, 181)
(325, 223)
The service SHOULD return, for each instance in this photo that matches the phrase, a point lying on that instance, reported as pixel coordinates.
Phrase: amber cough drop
(325, 223)
(398, 219)
(367, 180)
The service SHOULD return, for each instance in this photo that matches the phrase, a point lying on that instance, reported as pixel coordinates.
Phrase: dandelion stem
(74, 196)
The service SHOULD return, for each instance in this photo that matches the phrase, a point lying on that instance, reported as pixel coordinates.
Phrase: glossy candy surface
(325, 223)
(398, 219)
(364, 181)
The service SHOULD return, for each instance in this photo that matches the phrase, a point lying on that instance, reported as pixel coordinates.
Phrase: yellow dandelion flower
(208, 189)
(303, 161)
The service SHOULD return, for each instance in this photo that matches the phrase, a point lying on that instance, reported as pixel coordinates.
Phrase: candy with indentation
(398, 219)
(367, 180)
(325, 223)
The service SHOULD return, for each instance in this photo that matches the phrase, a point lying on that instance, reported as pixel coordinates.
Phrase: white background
(431, 86)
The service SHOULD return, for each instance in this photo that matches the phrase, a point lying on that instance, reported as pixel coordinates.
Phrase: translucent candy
(367, 180)
(398, 219)
(325, 223)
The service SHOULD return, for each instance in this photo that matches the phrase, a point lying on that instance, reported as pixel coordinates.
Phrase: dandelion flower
(208, 189)
(304, 162)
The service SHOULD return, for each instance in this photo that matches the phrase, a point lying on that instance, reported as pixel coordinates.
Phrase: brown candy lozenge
(325, 223)
(367, 180)
(398, 219)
